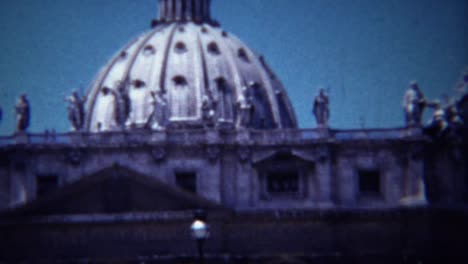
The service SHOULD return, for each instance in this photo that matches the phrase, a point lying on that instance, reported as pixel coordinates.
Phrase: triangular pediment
(273, 156)
(115, 190)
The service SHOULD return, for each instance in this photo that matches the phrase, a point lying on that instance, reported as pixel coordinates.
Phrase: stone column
(323, 176)
(346, 181)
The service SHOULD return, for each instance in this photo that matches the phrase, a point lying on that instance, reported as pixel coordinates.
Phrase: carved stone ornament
(244, 153)
(75, 156)
(158, 154)
(213, 152)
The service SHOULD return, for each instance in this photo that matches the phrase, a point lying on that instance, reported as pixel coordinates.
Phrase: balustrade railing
(188, 137)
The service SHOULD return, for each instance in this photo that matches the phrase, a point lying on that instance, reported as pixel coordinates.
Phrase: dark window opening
(180, 47)
(179, 80)
(282, 182)
(105, 91)
(369, 183)
(221, 83)
(213, 48)
(123, 54)
(187, 181)
(149, 50)
(46, 184)
(139, 83)
(243, 55)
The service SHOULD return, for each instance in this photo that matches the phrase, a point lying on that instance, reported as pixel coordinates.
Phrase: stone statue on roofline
(76, 112)
(208, 110)
(122, 103)
(413, 105)
(245, 109)
(321, 108)
(158, 117)
(23, 112)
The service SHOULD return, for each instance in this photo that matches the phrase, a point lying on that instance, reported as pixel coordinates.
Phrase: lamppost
(200, 232)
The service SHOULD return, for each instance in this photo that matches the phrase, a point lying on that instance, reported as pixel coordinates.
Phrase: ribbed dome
(187, 74)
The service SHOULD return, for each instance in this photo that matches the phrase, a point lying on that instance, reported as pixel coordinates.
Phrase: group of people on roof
(449, 115)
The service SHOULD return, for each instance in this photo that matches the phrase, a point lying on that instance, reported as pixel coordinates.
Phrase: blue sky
(364, 51)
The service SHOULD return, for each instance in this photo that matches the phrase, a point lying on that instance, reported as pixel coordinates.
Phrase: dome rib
(100, 80)
(206, 76)
(140, 43)
(266, 81)
(167, 49)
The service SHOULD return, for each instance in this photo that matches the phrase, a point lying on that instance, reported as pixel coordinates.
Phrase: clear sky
(364, 51)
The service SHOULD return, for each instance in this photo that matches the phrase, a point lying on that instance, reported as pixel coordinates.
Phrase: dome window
(242, 54)
(181, 29)
(213, 48)
(224, 34)
(179, 80)
(204, 30)
(123, 54)
(180, 48)
(139, 83)
(149, 50)
(105, 91)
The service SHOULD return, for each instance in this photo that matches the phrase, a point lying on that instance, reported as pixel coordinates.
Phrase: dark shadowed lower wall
(337, 236)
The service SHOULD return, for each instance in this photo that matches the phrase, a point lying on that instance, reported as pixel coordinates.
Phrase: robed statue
(23, 112)
(321, 108)
(208, 110)
(158, 117)
(76, 111)
(245, 109)
(122, 103)
(413, 105)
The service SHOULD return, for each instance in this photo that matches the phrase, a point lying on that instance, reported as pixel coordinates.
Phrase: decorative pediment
(271, 155)
(115, 190)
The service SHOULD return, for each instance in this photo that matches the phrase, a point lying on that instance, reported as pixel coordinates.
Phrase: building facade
(187, 117)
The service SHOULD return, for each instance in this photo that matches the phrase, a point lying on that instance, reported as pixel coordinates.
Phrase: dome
(187, 72)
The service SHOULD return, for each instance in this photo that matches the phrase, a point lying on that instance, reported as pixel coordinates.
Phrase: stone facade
(187, 118)
(240, 170)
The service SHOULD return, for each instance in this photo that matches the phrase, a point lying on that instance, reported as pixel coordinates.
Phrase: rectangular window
(186, 181)
(283, 182)
(369, 183)
(46, 184)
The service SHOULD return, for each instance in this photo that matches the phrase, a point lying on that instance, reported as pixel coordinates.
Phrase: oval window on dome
(123, 55)
(242, 54)
(149, 50)
(180, 47)
(179, 80)
(105, 91)
(213, 48)
(139, 83)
